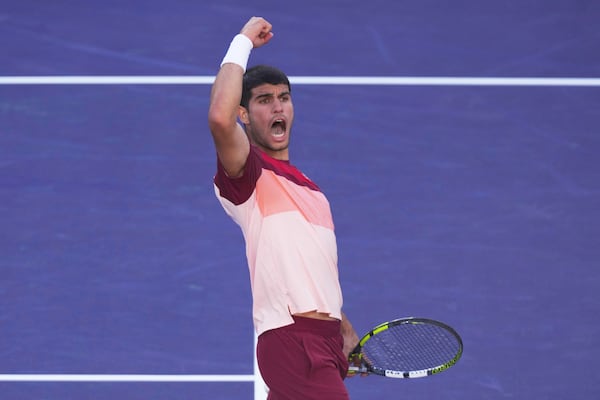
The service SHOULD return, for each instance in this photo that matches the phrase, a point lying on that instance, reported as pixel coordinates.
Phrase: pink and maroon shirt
(290, 241)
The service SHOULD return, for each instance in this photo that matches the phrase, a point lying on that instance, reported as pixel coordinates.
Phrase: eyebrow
(265, 95)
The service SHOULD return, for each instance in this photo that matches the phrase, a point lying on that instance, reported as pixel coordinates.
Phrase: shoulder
(291, 173)
(238, 189)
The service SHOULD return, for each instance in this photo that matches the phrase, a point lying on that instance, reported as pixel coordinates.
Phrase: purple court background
(478, 206)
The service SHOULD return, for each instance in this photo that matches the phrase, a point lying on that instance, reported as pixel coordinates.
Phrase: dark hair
(259, 75)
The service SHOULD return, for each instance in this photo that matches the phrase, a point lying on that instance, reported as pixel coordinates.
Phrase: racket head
(408, 348)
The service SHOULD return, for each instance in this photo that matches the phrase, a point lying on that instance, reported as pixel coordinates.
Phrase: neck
(282, 155)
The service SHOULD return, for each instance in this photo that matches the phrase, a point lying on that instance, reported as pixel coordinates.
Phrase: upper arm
(230, 139)
(232, 147)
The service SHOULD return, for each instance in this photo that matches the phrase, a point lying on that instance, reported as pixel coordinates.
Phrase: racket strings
(411, 347)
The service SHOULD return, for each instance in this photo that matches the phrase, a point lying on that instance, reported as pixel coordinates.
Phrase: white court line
(260, 389)
(123, 378)
(304, 80)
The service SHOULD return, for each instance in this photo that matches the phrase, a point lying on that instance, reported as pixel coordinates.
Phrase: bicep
(232, 148)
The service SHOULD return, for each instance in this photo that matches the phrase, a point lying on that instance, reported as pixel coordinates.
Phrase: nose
(277, 105)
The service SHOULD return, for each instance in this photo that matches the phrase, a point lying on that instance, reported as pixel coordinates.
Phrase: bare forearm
(226, 92)
(349, 335)
(225, 99)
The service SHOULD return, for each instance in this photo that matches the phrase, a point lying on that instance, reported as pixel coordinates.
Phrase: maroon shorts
(304, 361)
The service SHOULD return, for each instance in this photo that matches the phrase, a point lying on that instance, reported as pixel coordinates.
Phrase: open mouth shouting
(279, 128)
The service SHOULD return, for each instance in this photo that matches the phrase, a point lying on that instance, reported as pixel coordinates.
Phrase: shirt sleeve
(238, 190)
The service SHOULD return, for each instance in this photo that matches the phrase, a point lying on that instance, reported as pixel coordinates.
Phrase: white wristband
(239, 51)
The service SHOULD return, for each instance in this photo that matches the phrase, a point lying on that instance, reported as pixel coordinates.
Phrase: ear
(243, 115)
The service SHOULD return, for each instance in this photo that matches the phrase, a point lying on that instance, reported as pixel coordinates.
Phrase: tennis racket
(407, 348)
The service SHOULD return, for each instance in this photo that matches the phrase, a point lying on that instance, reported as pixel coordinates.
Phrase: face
(269, 118)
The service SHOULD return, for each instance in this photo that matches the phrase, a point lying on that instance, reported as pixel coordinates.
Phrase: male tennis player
(304, 338)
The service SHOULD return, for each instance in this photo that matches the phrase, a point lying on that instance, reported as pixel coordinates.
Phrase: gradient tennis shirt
(290, 241)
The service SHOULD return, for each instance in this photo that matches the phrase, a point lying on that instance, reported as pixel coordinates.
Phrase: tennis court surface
(472, 201)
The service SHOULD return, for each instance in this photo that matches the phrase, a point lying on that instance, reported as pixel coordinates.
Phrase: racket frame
(365, 367)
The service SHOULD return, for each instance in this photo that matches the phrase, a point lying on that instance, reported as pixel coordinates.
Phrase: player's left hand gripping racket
(407, 348)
